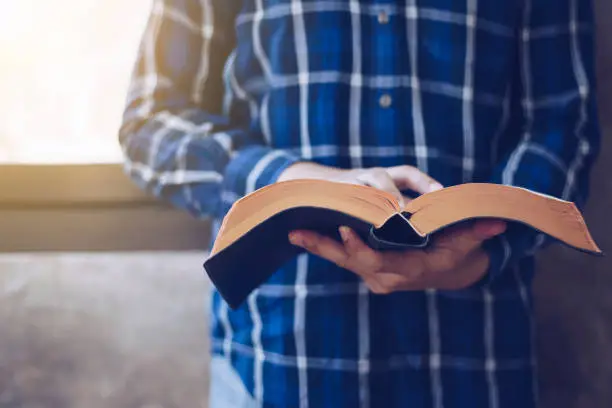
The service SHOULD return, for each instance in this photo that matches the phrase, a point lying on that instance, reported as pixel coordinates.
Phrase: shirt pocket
(317, 37)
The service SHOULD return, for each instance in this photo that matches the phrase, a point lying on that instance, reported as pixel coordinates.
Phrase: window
(64, 73)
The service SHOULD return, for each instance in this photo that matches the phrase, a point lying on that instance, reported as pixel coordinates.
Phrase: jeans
(226, 388)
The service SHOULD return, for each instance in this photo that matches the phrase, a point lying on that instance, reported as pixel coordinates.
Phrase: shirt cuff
(254, 167)
(505, 250)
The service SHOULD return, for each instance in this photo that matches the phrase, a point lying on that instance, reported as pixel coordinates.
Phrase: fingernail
(491, 230)
(295, 239)
(501, 228)
(345, 233)
(435, 187)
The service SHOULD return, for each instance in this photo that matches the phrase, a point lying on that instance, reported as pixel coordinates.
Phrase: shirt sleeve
(558, 117)
(179, 142)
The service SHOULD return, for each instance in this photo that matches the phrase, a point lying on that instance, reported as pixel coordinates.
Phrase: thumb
(467, 238)
(380, 179)
(486, 229)
(409, 177)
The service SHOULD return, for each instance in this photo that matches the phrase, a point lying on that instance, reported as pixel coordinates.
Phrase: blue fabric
(226, 388)
(226, 94)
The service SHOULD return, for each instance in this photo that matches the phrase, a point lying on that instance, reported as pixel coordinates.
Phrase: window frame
(89, 207)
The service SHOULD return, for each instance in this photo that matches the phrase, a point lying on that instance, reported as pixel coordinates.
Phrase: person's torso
(378, 83)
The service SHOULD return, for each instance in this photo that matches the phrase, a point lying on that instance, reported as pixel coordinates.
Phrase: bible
(253, 242)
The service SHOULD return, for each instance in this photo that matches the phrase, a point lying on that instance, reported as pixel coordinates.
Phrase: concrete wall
(103, 331)
(573, 291)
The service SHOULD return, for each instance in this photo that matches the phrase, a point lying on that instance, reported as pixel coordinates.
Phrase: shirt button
(383, 17)
(385, 101)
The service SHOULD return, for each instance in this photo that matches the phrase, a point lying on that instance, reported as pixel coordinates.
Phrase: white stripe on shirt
(227, 329)
(223, 312)
(356, 154)
(583, 88)
(489, 342)
(444, 16)
(257, 47)
(150, 66)
(412, 15)
(207, 34)
(259, 355)
(299, 328)
(356, 88)
(417, 109)
(435, 353)
(524, 292)
(375, 82)
(303, 75)
(394, 362)
(363, 339)
(503, 123)
(468, 92)
(258, 169)
(238, 90)
(181, 160)
(175, 177)
(518, 153)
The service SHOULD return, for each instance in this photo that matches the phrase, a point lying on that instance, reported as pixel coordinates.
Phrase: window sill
(88, 208)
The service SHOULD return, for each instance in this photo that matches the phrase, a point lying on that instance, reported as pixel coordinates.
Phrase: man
(229, 96)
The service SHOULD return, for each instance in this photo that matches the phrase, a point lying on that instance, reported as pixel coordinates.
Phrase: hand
(455, 260)
(391, 179)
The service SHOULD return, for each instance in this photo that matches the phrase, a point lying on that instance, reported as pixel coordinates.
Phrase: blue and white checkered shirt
(227, 93)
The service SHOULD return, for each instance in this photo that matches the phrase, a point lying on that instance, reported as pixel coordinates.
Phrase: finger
(385, 283)
(374, 286)
(409, 177)
(466, 238)
(320, 245)
(464, 274)
(468, 273)
(363, 260)
(378, 287)
(402, 271)
(489, 228)
(389, 264)
(406, 200)
(379, 178)
(386, 272)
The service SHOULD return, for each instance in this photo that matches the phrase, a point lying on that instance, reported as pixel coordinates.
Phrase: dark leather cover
(240, 268)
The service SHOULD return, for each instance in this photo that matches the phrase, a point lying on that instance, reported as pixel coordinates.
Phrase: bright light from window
(64, 71)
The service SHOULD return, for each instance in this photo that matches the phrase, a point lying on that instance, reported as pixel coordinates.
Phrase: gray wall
(573, 292)
(106, 330)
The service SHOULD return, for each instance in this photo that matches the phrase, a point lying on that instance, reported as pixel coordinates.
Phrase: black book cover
(240, 268)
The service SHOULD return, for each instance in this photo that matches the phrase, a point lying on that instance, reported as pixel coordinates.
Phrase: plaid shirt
(226, 94)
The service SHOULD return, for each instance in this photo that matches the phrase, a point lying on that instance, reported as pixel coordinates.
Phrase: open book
(253, 239)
